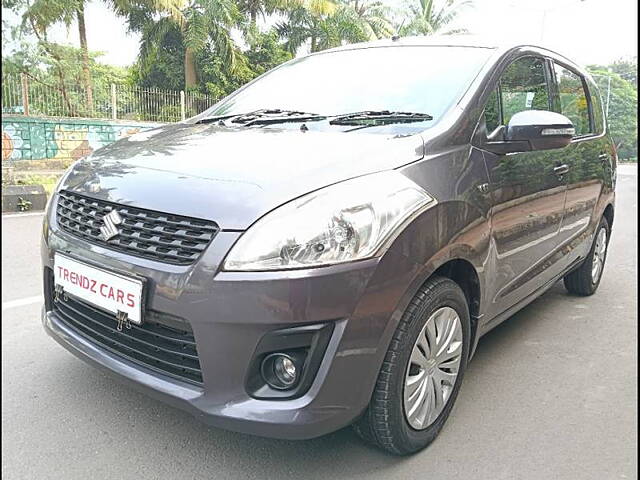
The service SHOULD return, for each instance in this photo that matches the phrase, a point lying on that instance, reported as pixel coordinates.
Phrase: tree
(265, 52)
(57, 69)
(324, 24)
(160, 62)
(627, 69)
(205, 24)
(41, 14)
(163, 67)
(304, 23)
(622, 118)
(373, 17)
(253, 8)
(429, 17)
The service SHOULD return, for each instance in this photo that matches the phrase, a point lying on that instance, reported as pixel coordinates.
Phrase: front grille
(143, 233)
(168, 349)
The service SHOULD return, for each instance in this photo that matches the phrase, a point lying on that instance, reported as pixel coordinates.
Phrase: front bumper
(295, 419)
(230, 312)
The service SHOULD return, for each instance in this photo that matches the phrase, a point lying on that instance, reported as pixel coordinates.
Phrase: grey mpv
(326, 245)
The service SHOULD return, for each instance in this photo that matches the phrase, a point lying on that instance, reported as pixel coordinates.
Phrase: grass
(47, 181)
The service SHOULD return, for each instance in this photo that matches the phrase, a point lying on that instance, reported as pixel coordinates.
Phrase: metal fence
(26, 95)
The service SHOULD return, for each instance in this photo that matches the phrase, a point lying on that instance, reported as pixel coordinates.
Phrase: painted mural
(32, 138)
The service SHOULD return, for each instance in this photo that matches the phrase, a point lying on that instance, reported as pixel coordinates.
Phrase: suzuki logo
(109, 229)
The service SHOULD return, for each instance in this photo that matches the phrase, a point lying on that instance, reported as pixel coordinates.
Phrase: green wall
(33, 138)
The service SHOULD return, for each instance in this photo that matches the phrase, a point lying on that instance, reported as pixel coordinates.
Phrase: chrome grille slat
(144, 233)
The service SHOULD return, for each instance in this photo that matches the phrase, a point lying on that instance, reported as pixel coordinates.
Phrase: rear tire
(391, 421)
(584, 281)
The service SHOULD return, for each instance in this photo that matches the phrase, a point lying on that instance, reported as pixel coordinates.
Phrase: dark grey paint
(234, 177)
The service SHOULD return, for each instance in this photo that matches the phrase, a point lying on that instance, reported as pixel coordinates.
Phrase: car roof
(459, 40)
(499, 44)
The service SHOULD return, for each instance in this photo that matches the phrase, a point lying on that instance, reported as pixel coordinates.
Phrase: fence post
(25, 93)
(114, 104)
(182, 116)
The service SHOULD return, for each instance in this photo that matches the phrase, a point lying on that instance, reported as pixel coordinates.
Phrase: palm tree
(324, 24)
(208, 21)
(205, 22)
(304, 23)
(373, 17)
(44, 13)
(253, 8)
(431, 17)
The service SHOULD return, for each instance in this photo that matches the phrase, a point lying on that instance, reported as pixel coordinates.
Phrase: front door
(528, 191)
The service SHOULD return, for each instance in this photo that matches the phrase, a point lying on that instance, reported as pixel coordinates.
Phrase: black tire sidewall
(603, 224)
(447, 294)
(580, 281)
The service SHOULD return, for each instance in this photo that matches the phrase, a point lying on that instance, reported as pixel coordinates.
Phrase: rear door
(528, 189)
(588, 155)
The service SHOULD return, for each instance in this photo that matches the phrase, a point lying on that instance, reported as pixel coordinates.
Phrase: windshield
(405, 79)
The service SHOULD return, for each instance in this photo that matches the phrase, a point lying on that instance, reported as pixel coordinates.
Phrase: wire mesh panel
(25, 92)
(12, 95)
(196, 103)
(151, 104)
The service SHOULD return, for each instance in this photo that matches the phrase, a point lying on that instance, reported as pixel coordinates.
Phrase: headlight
(347, 221)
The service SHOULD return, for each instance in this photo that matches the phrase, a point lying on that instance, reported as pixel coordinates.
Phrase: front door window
(524, 86)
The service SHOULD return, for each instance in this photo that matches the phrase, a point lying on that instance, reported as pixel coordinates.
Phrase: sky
(586, 31)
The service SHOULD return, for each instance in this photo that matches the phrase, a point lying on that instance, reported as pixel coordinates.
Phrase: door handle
(561, 169)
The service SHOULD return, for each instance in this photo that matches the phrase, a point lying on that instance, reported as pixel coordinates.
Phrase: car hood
(231, 176)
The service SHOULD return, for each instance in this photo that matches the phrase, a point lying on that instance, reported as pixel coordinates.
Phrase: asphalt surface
(551, 393)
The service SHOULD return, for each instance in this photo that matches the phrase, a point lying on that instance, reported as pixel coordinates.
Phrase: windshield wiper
(270, 116)
(266, 116)
(379, 117)
(216, 118)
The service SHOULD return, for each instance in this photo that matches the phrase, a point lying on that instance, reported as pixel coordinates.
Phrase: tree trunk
(313, 43)
(86, 73)
(190, 77)
(253, 16)
(63, 91)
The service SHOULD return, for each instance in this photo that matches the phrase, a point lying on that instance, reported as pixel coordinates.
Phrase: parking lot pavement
(551, 393)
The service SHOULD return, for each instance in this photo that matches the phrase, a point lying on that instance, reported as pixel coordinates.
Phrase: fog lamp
(280, 371)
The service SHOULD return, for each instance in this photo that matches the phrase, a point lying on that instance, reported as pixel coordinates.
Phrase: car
(325, 246)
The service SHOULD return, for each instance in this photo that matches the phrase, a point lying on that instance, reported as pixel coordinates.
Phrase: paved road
(550, 394)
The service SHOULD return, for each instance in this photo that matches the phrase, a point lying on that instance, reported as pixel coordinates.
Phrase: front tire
(422, 371)
(584, 281)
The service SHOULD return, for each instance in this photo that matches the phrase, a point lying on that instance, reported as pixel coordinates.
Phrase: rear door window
(573, 99)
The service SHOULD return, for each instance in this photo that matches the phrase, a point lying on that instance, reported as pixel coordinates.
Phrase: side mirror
(534, 130)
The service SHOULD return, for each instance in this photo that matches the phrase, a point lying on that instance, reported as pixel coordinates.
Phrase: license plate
(110, 291)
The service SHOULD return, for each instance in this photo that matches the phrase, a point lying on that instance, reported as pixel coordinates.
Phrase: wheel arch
(460, 263)
(464, 274)
(608, 214)
(452, 239)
